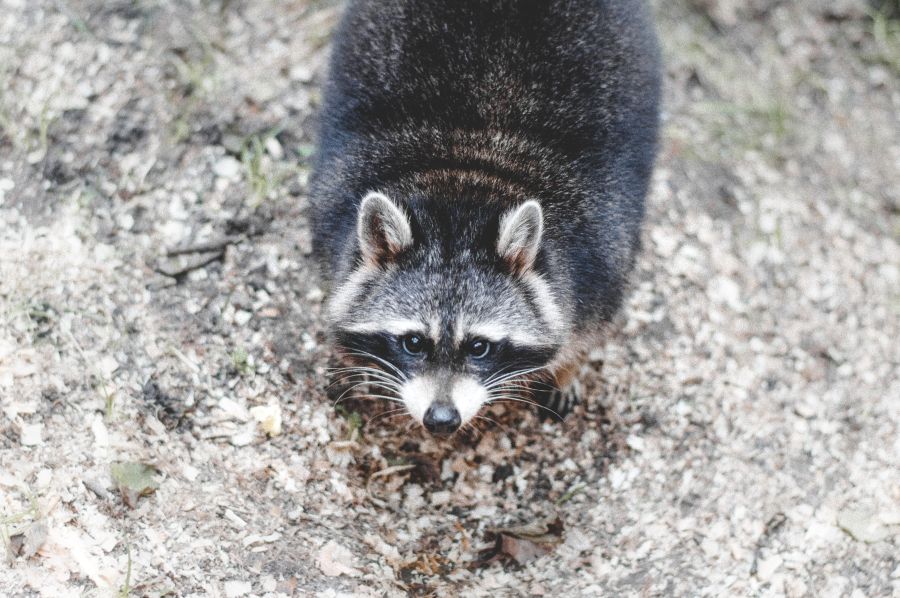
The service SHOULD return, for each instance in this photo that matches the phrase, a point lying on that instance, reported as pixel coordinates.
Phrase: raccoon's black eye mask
(476, 348)
(411, 352)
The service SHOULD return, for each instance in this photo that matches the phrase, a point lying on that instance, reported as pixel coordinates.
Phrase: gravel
(740, 435)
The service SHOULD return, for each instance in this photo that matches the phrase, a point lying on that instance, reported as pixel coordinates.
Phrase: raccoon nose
(441, 418)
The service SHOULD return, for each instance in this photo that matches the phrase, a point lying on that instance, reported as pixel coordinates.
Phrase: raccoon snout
(441, 401)
(442, 418)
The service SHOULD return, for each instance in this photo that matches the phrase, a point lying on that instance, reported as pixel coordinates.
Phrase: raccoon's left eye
(479, 348)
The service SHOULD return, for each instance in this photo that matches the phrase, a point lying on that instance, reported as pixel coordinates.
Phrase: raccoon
(478, 193)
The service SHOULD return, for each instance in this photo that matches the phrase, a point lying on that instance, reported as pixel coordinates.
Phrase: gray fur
(462, 113)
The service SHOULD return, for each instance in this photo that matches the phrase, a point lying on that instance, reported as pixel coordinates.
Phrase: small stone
(5, 185)
(268, 583)
(236, 589)
(441, 498)
(227, 167)
(635, 443)
(234, 409)
(274, 149)
(666, 242)
(863, 526)
(301, 72)
(233, 143)
(268, 417)
(107, 366)
(241, 317)
(726, 291)
(243, 438)
(768, 567)
(31, 435)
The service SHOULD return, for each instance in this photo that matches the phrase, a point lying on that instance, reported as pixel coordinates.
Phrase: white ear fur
(520, 235)
(382, 228)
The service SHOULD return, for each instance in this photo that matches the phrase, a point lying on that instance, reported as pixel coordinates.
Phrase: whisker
(372, 379)
(386, 398)
(489, 420)
(360, 370)
(499, 372)
(370, 397)
(506, 374)
(357, 385)
(502, 398)
(469, 426)
(525, 385)
(368, 355)
(495, 381)
(364, 379)
(387, 414)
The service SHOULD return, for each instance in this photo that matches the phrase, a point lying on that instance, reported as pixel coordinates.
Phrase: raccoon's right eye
(413, 344)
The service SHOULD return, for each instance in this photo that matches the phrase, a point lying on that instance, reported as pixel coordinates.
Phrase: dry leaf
(134, 480)
(334, 560)
(68, 552)
(27, 543)
(522, 544)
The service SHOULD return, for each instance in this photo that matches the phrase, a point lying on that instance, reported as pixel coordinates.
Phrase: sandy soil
(740, 435)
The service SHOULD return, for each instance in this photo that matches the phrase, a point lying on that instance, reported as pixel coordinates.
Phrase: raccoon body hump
(478, 193)
(497, 101)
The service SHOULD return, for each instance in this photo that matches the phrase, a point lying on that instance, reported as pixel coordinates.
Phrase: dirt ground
(740, 433)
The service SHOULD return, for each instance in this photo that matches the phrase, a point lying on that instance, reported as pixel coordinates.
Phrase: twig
(773, 525)
(216, 245)
(190, 266)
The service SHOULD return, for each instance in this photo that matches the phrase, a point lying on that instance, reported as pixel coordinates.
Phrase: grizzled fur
(458, 112)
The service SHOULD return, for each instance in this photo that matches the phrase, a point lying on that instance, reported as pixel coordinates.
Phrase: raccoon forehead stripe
(495, 332)
(342, 299)
(396, 327)
(546, 302)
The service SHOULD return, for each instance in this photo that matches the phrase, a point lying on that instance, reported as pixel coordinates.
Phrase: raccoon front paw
(559, 402)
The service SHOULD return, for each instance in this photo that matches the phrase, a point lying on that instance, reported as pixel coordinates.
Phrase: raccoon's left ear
(520, 235)
(382, 228)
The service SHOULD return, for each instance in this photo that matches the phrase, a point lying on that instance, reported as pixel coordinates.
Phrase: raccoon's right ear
(520, 235)
(382, 228)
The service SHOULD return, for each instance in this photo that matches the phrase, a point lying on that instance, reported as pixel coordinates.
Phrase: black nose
(441, 418)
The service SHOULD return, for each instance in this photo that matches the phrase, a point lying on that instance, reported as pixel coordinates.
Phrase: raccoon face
(446, 310)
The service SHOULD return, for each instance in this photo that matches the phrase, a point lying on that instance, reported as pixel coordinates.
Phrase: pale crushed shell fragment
(768, 567)
(233, 409)
(725, 291)
(256, 539)
(236, 588)
(100, 432)
(244, 437)
(268, 417)
(865, 526)
(31, 435)
(107, 366)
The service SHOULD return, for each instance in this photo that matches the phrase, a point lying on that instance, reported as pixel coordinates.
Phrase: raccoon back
(550, 99)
